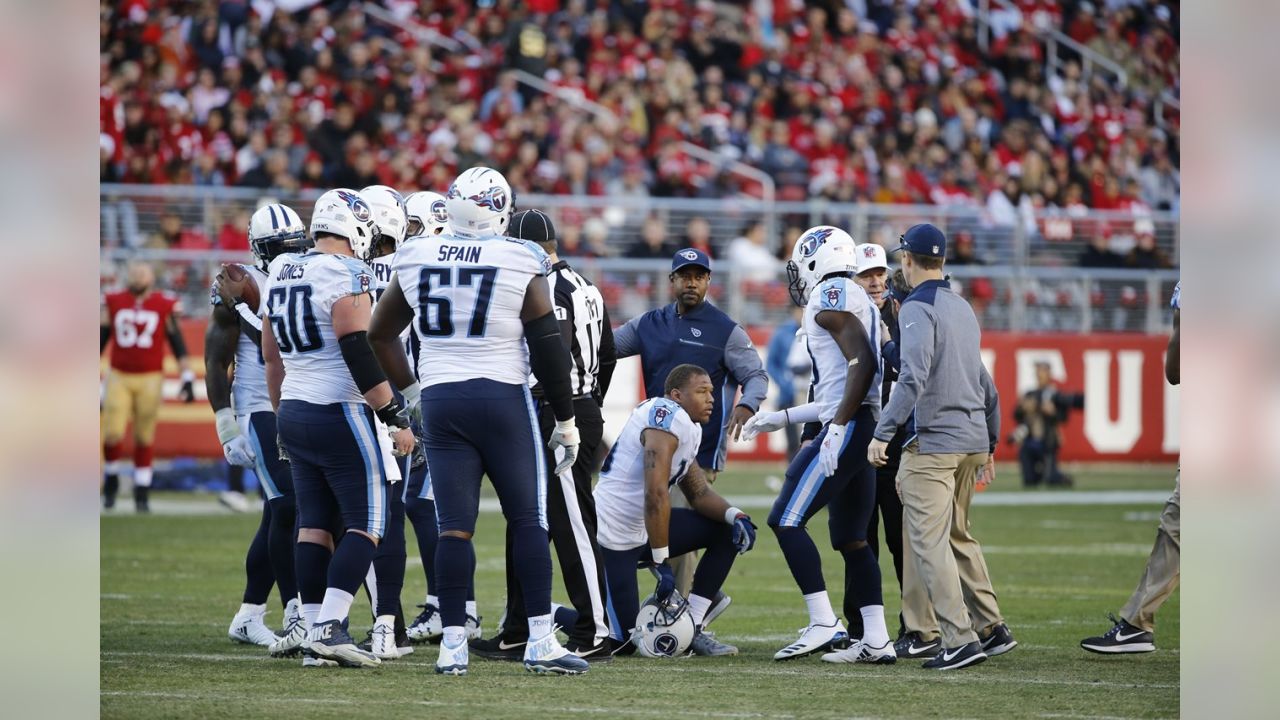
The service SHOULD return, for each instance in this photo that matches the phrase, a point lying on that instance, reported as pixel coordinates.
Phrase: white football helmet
(480, 202)
(427, 214)
(663, 629)
(819, 251)
(388, 215)
(275, 229)
(344, 213)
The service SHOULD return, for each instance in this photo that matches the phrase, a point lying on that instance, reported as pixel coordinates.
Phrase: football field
(1060, 561)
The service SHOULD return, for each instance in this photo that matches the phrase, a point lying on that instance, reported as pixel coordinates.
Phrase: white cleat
(382, 639)
(473, 628)
(292, 642)
(860, 652)
(292, 614)
(234, 501)
(328, 640)
(249, 629)
(453, 660)
(547, 656)
(815, 638)
(427, 626)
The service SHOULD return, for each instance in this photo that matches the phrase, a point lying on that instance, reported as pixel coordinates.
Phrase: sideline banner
(1130, 413)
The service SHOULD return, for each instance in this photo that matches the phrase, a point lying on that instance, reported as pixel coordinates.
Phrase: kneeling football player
(657, 449)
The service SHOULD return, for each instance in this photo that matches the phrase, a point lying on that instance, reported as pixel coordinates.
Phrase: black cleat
(911, 647)
(110, 487)
(142, 499)
(998, 642)
(1121, 639)
(956, 658)
(499, 648)
(594, 654)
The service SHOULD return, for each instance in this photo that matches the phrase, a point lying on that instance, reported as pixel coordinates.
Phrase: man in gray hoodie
(948, 403)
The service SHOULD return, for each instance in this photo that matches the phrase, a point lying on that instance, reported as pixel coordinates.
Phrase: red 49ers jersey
(138, 330)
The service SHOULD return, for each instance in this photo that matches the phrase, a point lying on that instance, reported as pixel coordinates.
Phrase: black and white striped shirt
(585, 328)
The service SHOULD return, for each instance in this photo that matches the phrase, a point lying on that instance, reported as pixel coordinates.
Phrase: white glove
(235, 446)
(829, 452)
(764, 422)
(565, 436)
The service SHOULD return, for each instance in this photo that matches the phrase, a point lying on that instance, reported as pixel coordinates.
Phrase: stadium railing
(1029, 281)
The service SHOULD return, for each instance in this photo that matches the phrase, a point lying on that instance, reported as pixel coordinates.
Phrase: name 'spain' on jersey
(467, 295)
(301, 292)
(830, 368)
(138, 329)
(619, 494)
(249, 379)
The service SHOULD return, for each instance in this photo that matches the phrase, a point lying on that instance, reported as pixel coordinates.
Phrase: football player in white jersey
(483, 311)
(325, 383)
(658, 448)
(247, 425)
(841, 325)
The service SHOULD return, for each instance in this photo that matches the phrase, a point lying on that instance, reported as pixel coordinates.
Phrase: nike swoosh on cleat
(1127, 638)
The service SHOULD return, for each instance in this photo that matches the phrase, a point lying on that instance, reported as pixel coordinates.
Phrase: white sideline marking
(764, 502)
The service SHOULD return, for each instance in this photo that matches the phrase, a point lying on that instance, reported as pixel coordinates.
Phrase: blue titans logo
(810, 243)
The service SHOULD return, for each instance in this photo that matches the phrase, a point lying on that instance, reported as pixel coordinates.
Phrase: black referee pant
(571, 521)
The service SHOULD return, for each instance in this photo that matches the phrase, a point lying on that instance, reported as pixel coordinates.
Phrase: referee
(571, 510)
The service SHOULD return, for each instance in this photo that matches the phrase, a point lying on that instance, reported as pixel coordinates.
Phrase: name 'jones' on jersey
(300, 294)
(467, 294)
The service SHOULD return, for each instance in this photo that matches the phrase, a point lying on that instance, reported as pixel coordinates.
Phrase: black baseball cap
(924, 240)
(533, 225)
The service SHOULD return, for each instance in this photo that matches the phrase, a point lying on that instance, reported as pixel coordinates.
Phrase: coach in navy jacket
(692, 330)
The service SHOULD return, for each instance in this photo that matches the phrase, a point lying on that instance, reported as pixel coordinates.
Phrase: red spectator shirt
(138, 329)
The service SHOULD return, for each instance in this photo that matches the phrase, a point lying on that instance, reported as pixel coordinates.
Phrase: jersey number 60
(435, 314)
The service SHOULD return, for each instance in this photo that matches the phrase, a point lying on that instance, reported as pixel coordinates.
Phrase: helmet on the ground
(820, 251)
(480, 202)
(276, 229)
(343, 212)
(426, 212)
(663, 629)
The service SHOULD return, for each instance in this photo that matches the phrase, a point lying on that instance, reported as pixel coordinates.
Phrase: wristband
(660, 555)
(731, 515)
(393, 415)
(412, 394)
(188, 376)
(228, 428)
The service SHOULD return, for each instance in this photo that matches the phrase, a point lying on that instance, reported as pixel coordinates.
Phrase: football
(250, 295)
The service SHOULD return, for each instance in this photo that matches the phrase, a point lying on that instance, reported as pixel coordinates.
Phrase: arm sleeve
(916, 356)
(743, 361)
(992, 399)
(608, 354)
(176, 342)
(250, 324)
(627, 339)
(550, 363)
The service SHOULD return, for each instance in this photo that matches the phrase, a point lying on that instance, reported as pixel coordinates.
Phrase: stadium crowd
(869, 100)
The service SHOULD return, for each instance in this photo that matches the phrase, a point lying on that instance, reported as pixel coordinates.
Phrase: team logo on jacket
(696, 332)
(833, 295)
(810, 243)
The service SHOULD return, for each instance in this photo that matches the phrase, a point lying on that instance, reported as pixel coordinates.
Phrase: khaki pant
(1160, 578)
(131, 393)
(684, 565)
(945, 583)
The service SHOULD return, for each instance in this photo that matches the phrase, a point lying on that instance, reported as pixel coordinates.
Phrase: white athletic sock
(142, 477)
(454, 635)
(112, 467)
(336, 605)
(310, 612)
(874, 632)
(433, 601)
(820, 612)
(698, 607)
(471, 608)
(252, 610)
(539, 627)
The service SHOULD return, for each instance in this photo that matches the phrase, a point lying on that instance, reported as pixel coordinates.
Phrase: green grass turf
(170, 585)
